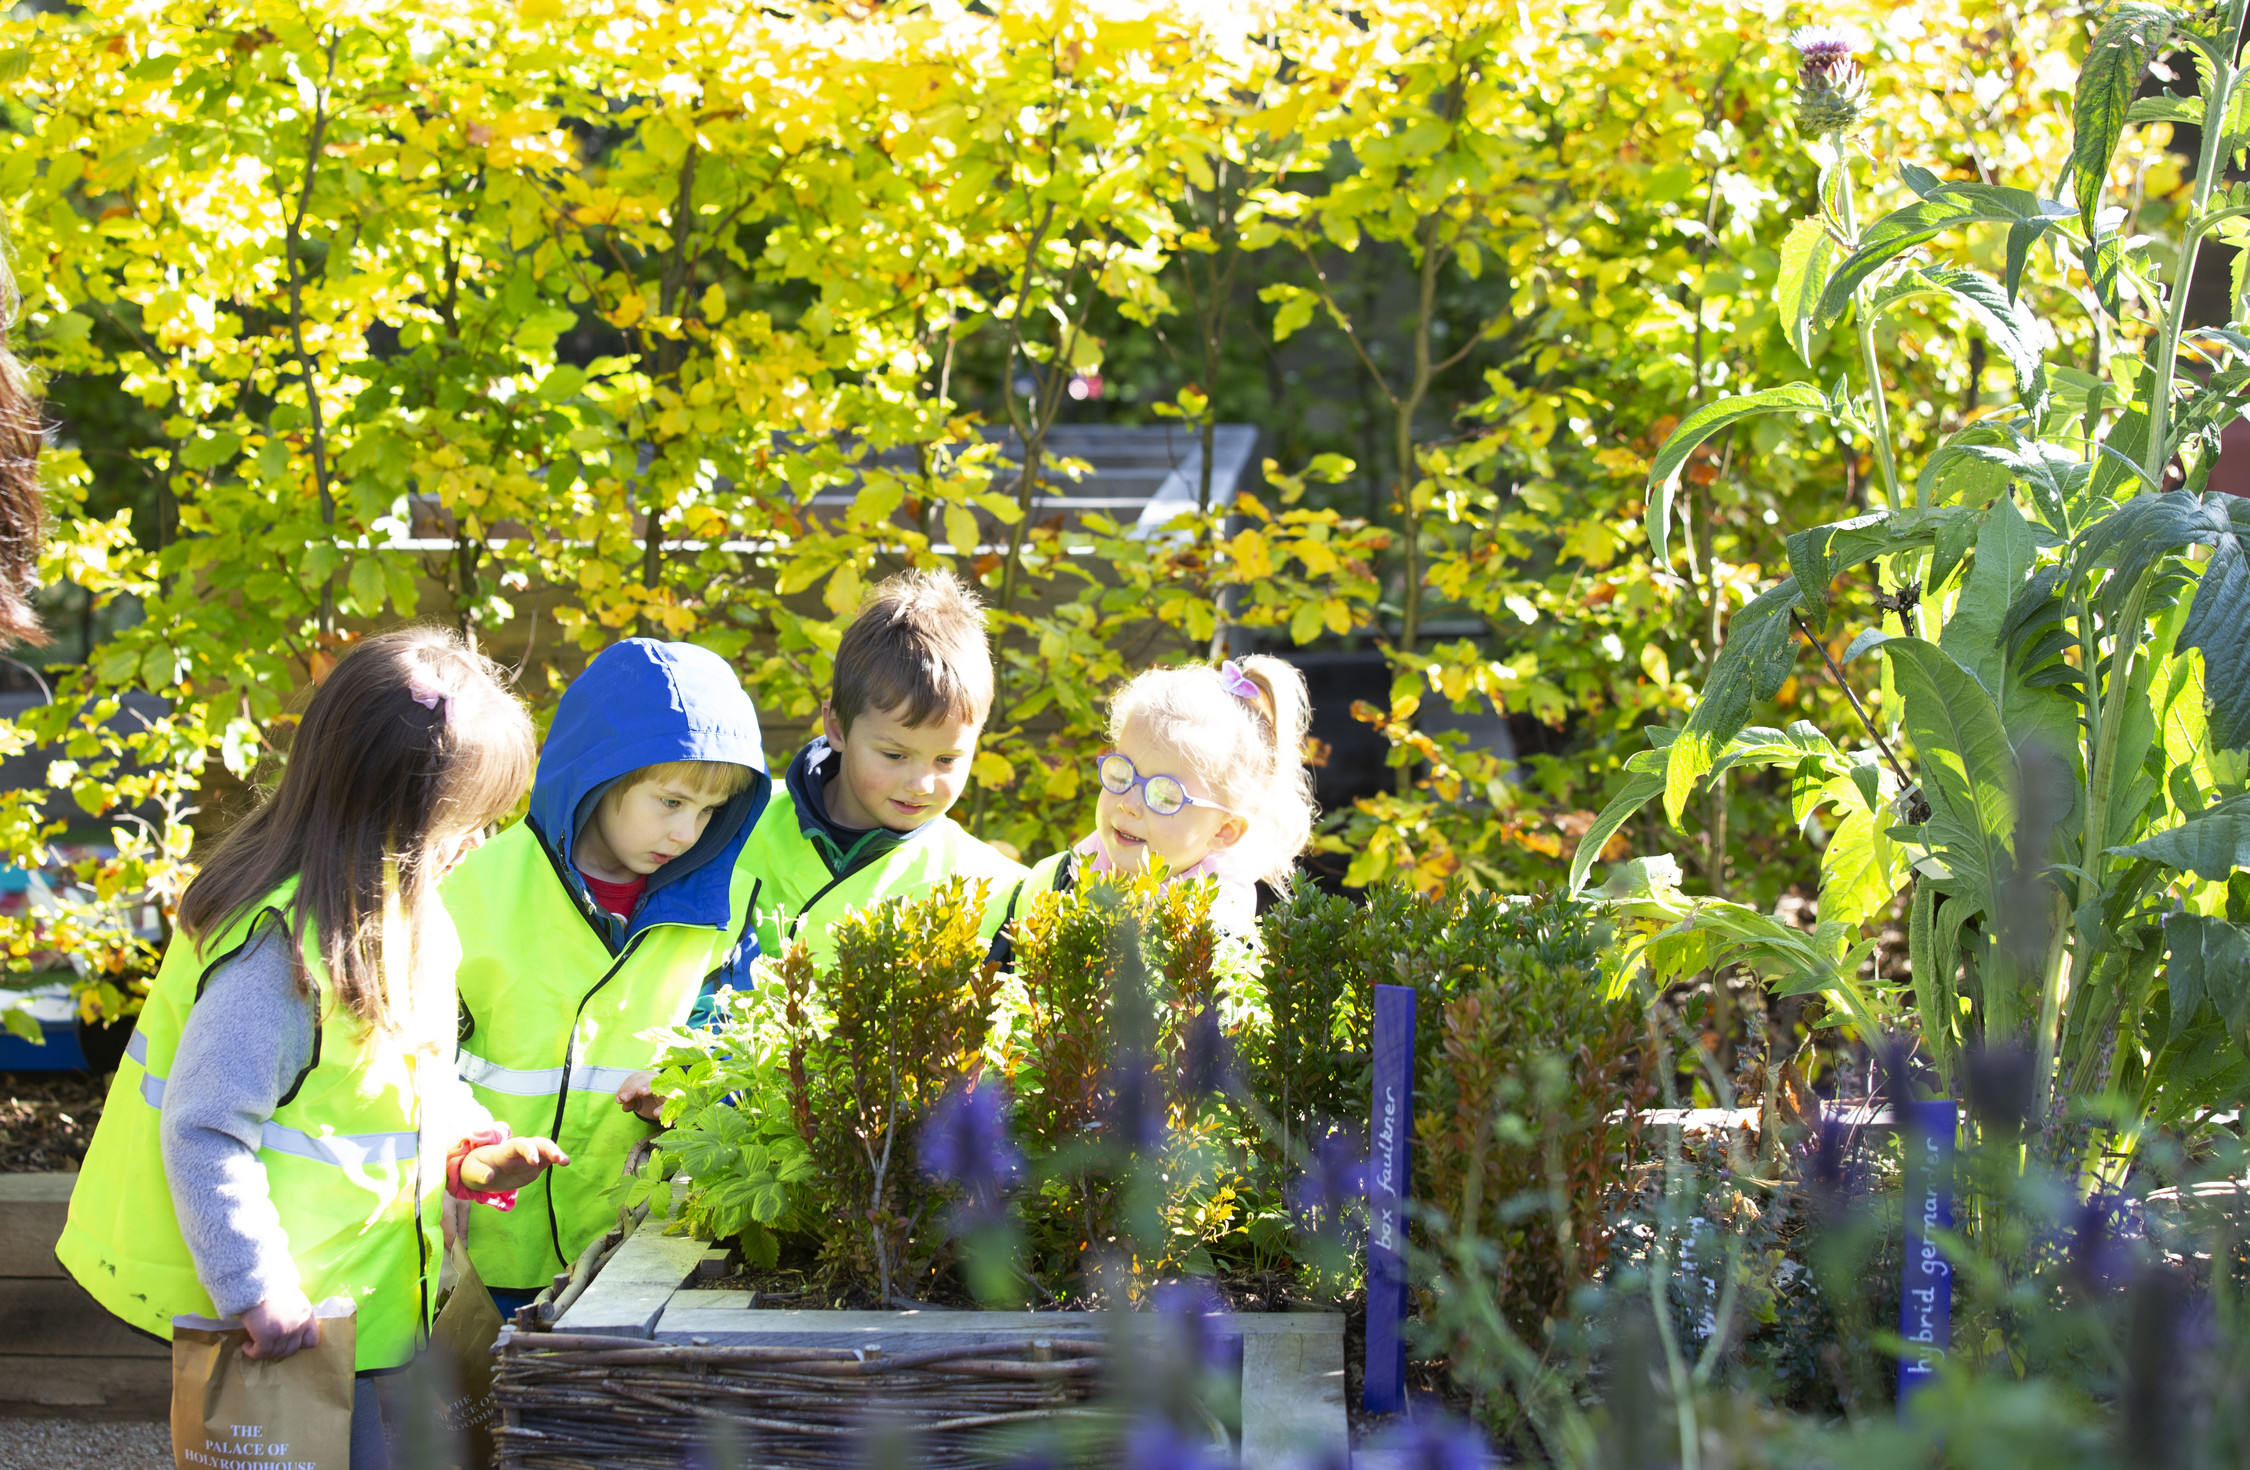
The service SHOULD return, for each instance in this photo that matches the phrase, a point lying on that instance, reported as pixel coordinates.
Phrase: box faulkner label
(1390, 1131)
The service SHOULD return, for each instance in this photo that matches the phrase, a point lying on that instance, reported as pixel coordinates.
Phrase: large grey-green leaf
(2006, 551)
(1967, 765)
(2146, 528)
(1861, 867)
(2008, 328)
(1638, 791)
(1969, 468)
(1952, 208)
(2105, 266)
(2106, 84)
(2131, 786)
(2210, 844)
(2219, 624)
(2210, 961)
(1808, 257)
(1763, 745)
(1751, 665)
(1953, 542)
(2129, 439)
(1814, 557)
(1664, 475)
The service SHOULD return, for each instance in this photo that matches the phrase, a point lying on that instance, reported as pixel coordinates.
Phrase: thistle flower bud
(1831, 89)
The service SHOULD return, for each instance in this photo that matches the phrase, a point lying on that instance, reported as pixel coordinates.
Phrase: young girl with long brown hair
(286, 1125)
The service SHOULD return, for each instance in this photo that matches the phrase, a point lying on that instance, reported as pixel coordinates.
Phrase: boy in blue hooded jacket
(612, 908)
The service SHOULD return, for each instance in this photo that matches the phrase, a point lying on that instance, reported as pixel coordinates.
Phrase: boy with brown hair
(860, 814)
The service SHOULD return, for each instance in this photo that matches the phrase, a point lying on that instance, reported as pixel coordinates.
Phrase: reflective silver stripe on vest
(344, 1150)
(540, 1081)
(599, 1079)
(152, 1086)
(514, 1081)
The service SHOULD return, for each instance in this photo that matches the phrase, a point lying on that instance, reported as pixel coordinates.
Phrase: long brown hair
(21, 521)
(411, 740)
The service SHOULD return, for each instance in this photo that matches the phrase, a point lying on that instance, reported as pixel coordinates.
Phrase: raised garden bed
(60, 1353)
(626, 1361)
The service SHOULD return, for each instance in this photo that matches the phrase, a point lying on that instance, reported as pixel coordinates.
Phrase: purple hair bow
(1236, 682)
(429, 696)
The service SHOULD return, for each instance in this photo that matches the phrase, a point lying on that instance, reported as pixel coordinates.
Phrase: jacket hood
(641, 702)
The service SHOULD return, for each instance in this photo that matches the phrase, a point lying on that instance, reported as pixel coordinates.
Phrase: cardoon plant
(2054, 781)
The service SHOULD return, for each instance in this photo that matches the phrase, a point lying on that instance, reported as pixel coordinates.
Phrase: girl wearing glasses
(1206, 775)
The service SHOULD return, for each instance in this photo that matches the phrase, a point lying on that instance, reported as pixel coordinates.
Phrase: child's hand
(638, 1098)
(499, 1167)
(280, 1325)
(453, 1215)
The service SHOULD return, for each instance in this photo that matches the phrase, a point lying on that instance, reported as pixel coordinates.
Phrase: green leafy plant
(731, 1132)
(867, 1049)
(1530, 1060)
(2054, 755)
(1529, 1102)
(1126, 1007)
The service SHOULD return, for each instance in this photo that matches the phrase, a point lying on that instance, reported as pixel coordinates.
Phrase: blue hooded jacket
(641, 702)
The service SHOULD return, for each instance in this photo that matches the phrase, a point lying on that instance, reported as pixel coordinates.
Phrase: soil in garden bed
(47, 1119)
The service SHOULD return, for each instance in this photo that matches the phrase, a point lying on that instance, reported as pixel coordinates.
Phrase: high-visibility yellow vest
(552, 1025)
(1057, 870)
(803, 896)
(354, 1175)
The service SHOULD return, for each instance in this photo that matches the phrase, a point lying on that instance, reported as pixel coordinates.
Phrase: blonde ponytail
(1287, 800)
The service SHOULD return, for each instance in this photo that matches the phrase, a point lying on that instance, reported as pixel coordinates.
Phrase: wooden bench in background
(61, 1355)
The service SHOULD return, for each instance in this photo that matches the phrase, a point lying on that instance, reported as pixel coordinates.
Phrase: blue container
(57, 1023)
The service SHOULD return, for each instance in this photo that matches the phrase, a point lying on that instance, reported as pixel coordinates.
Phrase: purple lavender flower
(2000, 1086)
(965, 1142)
(1197, 1318)
(1207, 1060)
(1440, 1444)
(2100, 1256)
(1333, 1184)
(1831, 1173)
(1134, 1116)
(1155, 1444)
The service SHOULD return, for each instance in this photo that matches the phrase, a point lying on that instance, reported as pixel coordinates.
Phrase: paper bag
(229, 1408)
(461, 1342)
(438, 1414)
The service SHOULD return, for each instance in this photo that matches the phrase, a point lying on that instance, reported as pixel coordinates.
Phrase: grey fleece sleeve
(245, 1043)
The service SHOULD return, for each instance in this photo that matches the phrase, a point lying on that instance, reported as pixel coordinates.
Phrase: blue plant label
(1925, 1307)
(1390, 1135)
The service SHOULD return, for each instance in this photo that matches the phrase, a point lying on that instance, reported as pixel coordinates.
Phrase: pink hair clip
(429, 696)
(1236, 682)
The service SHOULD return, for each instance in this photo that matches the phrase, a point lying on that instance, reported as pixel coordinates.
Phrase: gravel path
(65, 1444)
